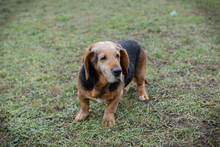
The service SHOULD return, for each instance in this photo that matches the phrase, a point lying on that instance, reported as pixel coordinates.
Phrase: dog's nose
(116, 71)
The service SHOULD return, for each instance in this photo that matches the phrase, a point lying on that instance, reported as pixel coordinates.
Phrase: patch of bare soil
(27, 90)
(55, 92)
(57, 108)
(151, 100)
(3, 90)
(183, 123)
(4, 132)
(211, 134)
(159, 63)
(171, 47)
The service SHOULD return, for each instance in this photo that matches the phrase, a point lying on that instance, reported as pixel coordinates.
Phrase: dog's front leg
(110, 109)
(84, 111)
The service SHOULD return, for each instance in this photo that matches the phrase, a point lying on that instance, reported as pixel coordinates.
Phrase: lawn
(41, 49)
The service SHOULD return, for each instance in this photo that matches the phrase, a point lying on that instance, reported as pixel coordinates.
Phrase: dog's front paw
(107, 121)
(143, 97)
(81, 116)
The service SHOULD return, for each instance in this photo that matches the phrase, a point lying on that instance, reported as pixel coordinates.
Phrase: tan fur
(104, 70)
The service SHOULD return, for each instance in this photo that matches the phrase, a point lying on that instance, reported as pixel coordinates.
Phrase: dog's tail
(146, 82)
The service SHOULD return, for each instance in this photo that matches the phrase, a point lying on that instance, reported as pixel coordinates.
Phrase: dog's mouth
(113, 78)
(118, 79)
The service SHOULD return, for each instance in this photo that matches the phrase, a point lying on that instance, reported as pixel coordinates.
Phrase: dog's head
(108, 59)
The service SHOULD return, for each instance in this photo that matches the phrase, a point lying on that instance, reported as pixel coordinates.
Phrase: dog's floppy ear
(87, 58)
(124, 60)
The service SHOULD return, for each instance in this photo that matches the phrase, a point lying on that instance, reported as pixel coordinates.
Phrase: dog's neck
(101, 87)
(97, 84)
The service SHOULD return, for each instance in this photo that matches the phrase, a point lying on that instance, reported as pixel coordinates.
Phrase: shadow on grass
(211, 10)
(7, 10)
(10, 7)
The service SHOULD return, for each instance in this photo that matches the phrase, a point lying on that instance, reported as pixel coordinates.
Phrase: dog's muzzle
(116, 72)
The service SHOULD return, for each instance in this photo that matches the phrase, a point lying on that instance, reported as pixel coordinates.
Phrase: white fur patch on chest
(97, 99)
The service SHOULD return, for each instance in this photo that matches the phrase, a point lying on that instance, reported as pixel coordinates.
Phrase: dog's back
(133, 49)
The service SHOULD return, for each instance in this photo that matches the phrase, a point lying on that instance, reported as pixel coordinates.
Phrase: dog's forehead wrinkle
(118, 49)
(105, 45)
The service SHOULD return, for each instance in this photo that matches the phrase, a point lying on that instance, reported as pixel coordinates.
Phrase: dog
(107, 71)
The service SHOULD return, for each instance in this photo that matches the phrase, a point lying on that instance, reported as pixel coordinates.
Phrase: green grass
(41, 49)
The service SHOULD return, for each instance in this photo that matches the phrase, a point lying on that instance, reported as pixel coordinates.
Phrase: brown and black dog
(107, 71)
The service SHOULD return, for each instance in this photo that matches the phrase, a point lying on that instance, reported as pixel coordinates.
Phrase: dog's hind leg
(139, 76)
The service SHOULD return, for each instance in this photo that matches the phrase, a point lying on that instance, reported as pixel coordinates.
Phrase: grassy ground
(41, 48)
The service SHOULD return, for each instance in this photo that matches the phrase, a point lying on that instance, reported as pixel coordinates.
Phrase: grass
(41, 49)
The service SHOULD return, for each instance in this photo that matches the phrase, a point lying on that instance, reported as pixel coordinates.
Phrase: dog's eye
(117, 56)
(103, 58)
